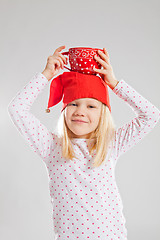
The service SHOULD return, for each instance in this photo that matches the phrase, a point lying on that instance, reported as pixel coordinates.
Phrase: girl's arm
(36, 134)
(147, 116)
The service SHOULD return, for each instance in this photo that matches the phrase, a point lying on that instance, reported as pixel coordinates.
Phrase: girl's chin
(77, 134)
(84, 135)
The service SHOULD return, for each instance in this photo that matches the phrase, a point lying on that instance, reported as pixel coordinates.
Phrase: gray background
(30, 32)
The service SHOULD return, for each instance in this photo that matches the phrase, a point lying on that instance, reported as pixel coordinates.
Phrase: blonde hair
(103, 136)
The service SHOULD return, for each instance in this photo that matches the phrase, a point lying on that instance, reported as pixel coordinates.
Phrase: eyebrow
(88, 102)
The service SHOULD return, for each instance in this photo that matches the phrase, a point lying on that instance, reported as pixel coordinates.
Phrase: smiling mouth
(77, 121)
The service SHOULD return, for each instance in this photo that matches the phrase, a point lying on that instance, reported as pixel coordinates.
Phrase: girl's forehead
(87, 100)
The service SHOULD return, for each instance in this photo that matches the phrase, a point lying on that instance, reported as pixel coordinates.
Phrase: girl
(82, 156)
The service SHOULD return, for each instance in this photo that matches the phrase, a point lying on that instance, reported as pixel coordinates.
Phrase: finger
(57, 63)
(104, 56)
(105, 51)
(98, 70)
(64, 58)
(61, 62)
(60, 49)
(98, 59)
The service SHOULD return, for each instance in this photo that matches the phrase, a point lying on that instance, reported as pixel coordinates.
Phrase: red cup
(82, 60)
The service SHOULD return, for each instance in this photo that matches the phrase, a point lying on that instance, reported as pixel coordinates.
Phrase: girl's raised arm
(37, 135)
(147, 116)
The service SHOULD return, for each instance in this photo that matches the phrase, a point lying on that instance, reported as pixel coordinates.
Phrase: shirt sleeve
(34, 132)
(147, 116)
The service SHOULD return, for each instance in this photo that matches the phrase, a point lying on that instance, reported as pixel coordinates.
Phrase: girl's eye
(73, 104)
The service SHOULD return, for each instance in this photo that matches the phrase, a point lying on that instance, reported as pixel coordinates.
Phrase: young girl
(81, 158)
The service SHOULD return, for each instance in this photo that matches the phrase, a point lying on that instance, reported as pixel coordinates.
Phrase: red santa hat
(73, 85)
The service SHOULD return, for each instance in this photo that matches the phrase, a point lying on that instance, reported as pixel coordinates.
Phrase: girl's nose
(80, 111)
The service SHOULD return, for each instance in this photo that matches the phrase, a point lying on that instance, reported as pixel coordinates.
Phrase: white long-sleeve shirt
(86, 200)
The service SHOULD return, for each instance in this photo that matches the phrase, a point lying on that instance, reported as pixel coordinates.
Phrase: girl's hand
(55, 62)
(107, 72)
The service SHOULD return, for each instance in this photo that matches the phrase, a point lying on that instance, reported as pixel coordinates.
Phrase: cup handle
(66, 53)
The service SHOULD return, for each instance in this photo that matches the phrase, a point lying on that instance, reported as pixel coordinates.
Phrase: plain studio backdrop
(31, 30)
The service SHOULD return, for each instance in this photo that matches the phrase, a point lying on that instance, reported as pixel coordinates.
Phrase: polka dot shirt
(86, 200)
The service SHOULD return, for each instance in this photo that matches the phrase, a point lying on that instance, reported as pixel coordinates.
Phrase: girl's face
(87, 110)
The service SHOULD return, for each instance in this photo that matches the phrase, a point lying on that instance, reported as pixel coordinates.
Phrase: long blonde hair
(103, 136)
